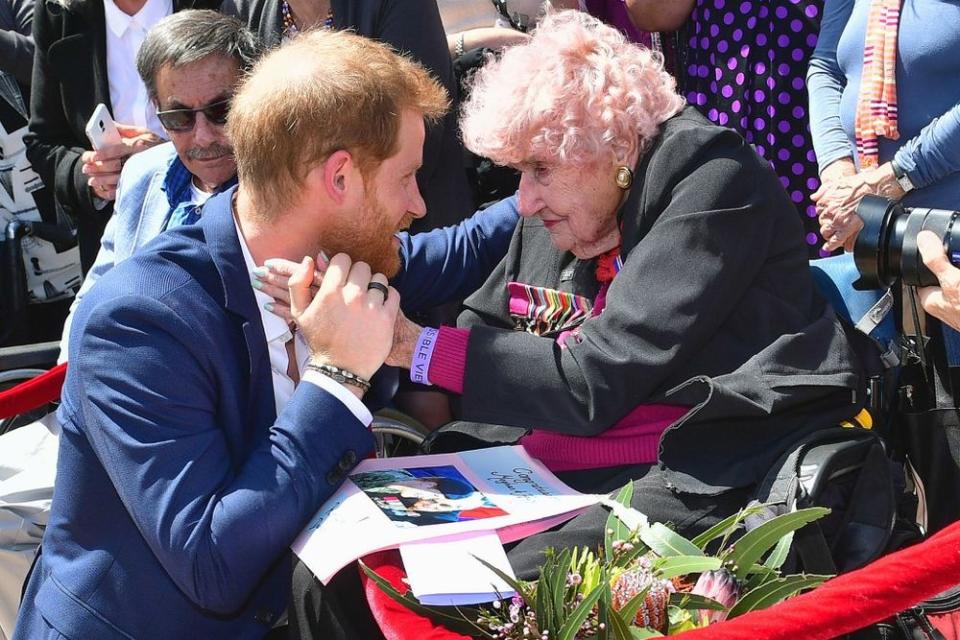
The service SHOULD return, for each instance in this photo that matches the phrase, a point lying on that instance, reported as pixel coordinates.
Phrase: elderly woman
(655, 304)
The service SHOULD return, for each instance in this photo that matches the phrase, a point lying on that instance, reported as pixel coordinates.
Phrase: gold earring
(623, 177)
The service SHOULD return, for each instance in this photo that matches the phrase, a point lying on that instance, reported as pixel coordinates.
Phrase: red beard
(369, 239)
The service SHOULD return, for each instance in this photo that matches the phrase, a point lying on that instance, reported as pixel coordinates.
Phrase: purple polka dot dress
(744, 66)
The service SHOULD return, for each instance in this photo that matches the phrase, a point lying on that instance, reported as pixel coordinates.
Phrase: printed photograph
(421, 496)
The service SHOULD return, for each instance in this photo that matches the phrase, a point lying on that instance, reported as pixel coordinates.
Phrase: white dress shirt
(198, 196)
(125, 34)
(278, 333)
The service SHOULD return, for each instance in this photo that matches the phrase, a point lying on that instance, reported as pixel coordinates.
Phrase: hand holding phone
(114, 143)
(101, 130)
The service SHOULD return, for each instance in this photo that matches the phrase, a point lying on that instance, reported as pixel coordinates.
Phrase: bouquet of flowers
(647, 581)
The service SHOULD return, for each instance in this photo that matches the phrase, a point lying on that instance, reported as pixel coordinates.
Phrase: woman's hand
(103, 166)
(273, 279)
(490, 37)
(405, 335)
(840, 194)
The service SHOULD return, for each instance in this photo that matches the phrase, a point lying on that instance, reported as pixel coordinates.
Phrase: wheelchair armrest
(825, 462)
(41, 355)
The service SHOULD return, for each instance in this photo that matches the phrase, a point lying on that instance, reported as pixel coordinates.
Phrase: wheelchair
(22, 321)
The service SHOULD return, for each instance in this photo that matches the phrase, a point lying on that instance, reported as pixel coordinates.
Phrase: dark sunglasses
(185, 119)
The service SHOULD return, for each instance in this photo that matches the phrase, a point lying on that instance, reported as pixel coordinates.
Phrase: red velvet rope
(854, 600)
(33, 393)
(842, 605)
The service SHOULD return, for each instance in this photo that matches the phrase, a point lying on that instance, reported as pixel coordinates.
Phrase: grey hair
(190, 36)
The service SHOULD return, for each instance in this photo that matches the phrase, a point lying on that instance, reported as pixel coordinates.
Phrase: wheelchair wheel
(10, 379)
(397, 434)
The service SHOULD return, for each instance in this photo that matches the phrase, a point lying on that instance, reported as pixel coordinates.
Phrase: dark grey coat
(714, 308)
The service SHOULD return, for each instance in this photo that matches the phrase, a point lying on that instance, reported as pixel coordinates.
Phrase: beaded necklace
(290, 27)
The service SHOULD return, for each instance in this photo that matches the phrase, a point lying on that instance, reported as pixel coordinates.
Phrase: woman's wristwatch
(902, 178)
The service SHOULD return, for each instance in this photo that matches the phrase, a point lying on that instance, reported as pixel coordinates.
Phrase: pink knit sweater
(635, 439)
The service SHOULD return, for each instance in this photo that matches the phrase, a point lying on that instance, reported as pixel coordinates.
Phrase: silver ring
(382, 288)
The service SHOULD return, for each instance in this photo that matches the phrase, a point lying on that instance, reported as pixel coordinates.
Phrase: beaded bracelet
(340, 375)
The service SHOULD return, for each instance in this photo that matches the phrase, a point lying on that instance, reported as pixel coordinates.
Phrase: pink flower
(720, 585)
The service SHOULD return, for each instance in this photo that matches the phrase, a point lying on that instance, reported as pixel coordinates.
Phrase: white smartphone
(101, 129)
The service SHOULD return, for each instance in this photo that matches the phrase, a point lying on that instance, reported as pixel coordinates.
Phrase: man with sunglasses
(190, 62)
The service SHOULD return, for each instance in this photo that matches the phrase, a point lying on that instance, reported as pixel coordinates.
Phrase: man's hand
(347, 324)
(942, 302)
(104, 166)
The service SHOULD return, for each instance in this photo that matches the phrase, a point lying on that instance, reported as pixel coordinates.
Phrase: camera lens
(886, 248)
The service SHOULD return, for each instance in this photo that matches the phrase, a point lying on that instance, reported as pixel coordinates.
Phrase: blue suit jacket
(178, 488)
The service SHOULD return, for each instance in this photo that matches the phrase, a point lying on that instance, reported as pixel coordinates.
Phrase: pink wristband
(422, 354)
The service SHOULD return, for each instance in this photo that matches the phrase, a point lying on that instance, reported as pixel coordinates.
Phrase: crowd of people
(584, 229)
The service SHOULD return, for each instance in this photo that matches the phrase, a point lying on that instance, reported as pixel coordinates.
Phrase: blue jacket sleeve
(126, 213)
(215, 518)
(935, 152)
(450, 263)
(825, 84)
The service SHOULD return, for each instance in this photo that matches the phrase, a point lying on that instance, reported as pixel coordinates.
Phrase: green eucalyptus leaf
(725, 527)
(757, 579)
(544, 604)
(666, 542)
(606, 614)
(510, 580)
(642, 633)
(763, 570)
(674, 566)
(459, 623)
(753, 544)
(615, 529)
(629, 611)
(558, 586)
(691, 601)
(774, 591)
(780, 552)
(573, 622)
(620, 626)
(677, 617)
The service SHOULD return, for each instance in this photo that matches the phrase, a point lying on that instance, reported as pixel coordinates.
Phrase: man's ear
(340, 176)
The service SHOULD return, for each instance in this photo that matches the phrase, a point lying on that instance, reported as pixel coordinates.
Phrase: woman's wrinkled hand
(834, 187)
(405, 336)
(840, 194)
(273, 279)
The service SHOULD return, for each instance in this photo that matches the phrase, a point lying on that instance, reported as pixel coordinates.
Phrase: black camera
(886, 248)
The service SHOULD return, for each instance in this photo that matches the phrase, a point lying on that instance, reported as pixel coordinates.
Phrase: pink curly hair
(577, 92)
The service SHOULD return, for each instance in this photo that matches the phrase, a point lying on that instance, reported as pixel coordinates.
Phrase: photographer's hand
(942, 302)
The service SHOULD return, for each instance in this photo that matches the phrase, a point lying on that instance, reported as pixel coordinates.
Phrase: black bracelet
(339, 375)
